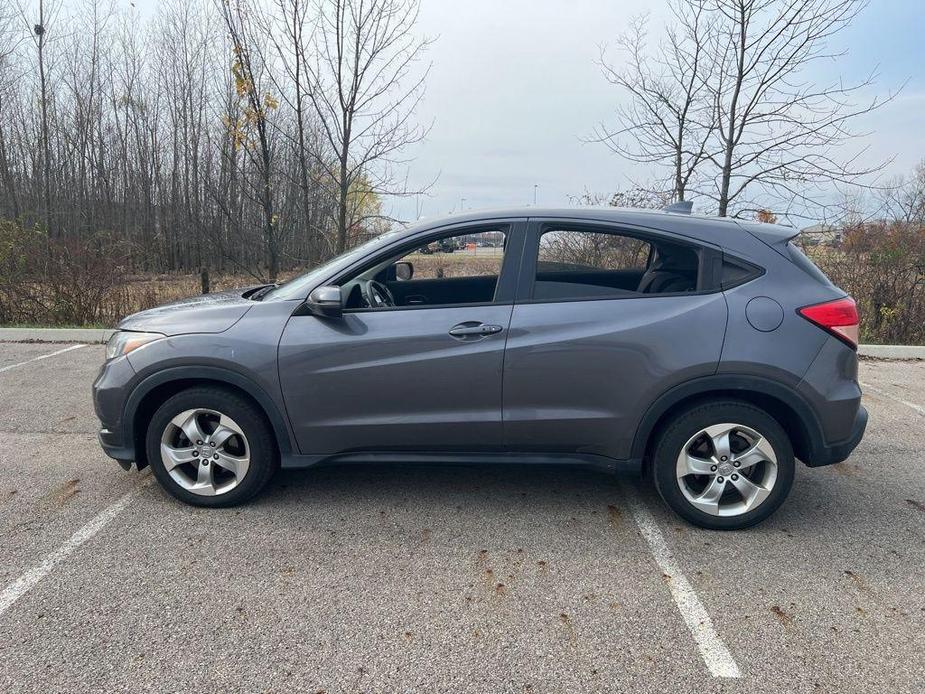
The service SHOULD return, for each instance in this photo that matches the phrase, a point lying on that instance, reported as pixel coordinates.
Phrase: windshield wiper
(262, 291)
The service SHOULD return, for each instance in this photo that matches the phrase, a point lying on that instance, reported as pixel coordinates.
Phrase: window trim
(706, 253)
(505, 287)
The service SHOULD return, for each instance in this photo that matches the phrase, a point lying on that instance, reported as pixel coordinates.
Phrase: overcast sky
(515, 86)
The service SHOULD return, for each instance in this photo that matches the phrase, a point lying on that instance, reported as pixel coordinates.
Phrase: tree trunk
(46, 149)
(342, 199)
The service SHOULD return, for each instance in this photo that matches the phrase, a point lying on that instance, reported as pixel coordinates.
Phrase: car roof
(720, 231)
(601, 212)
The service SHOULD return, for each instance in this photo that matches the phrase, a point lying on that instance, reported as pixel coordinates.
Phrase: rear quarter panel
(784, 353)
(817, 366)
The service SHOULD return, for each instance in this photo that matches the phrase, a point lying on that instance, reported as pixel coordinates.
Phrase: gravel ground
(456, 579)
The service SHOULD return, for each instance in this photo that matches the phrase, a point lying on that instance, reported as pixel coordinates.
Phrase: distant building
(822, 234)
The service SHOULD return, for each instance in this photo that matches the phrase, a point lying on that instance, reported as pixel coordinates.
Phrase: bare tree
(190, 140)
(641, 197)
(40, 30)
(294, 52)
(780, 135)
(253, 131)
(728, 103)
(666, 120)
(361, 87)
(904, 199)
(9, 82)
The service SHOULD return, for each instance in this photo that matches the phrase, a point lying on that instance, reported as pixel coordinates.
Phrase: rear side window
(736, 272)
(806, 265)
(590, 264)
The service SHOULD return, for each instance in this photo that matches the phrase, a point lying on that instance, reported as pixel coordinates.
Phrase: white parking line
(878, 391)
(715, 655)
(44, 356)
(30, 578)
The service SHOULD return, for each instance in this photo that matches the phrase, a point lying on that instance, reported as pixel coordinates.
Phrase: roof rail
(683, 207)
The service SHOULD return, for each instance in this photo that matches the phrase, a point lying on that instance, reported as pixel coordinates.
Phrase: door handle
(473, 329)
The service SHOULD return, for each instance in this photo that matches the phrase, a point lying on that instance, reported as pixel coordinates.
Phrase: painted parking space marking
(715, 654)
(9, 367)
(31, 577)
(879, 391)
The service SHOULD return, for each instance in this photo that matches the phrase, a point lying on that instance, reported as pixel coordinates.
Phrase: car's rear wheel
(210, 447)
(724, 465)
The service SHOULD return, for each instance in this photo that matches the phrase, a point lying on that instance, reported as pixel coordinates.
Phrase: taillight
(839, 317)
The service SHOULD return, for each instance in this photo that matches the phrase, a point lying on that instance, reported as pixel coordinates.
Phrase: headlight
(124, 341)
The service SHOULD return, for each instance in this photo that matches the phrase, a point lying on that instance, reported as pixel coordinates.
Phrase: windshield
(297, 287)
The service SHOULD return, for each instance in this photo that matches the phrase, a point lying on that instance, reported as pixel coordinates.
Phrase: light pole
(535, 186)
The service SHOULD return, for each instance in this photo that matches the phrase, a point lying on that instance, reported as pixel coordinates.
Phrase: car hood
(209, 313)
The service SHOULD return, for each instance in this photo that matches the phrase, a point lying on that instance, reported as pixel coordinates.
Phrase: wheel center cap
(725, 469)
(205, 451)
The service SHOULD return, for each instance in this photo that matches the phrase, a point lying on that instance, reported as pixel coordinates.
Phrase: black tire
(688, 423)
(264, 459)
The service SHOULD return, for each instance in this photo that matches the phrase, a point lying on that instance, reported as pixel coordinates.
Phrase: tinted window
(574, 264)
(466, 255)
(451, 270)
(736, 272)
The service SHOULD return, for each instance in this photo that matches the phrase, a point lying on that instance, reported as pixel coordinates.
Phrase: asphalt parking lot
(456, 579)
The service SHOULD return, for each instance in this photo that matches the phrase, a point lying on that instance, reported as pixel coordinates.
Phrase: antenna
(683, 207)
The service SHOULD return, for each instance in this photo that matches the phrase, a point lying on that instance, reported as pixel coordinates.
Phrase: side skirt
(597, 462)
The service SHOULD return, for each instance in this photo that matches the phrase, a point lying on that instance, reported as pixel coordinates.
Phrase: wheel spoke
(172, 456)
(221, 434)
(708, 499)
(205, 481)
(752, 493)
(719, 435)
(236, 465)
(188, 422)
(692, 465)
(759, 452)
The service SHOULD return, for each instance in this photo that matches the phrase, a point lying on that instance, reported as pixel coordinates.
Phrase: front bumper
(111, 443)
(110, 389)
(829, 454)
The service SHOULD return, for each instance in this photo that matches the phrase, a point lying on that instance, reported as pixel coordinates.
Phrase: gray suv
(708, 352)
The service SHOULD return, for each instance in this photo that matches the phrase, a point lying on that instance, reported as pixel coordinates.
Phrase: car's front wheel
(210, 447)
(724, 465)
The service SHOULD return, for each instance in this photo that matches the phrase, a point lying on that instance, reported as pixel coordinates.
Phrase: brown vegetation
(882, 265)
(213, 135)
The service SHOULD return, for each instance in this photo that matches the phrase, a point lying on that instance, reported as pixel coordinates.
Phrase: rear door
(586, 354)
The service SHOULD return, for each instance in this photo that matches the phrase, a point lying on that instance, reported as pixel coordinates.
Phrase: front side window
(589, 264)
(462, 268)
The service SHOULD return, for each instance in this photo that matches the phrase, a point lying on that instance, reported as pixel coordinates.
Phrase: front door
(414, 376)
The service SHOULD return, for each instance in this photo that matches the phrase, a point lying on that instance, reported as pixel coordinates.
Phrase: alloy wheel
(205, 452)
(727, 469)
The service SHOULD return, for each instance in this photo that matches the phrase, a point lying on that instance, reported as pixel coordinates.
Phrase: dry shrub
(47, 281)
(57, 281)
(459, 264)
(883, 267)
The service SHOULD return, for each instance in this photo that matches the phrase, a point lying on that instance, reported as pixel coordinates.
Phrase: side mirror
(403, 270)
(326, 302)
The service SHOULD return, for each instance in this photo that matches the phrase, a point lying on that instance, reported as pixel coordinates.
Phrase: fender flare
(728, 384)
(207, 373)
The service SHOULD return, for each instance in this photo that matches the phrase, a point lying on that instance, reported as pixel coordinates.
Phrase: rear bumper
(829, 454)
